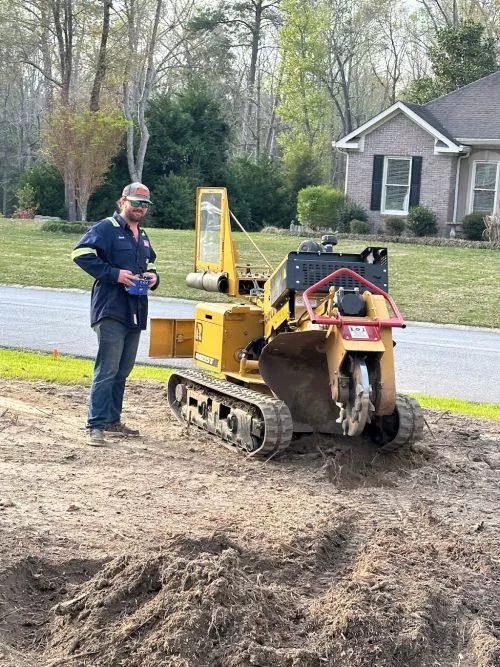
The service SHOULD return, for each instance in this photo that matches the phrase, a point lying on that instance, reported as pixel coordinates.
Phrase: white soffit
(479, 142)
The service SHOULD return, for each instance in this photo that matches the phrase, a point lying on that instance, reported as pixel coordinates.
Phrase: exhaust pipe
(208, 281)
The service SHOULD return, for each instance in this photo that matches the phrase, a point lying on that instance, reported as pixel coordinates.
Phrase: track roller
(252, 422)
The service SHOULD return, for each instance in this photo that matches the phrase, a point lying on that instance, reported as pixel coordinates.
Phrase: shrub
(320, 206)
(492, 223)
(24, 213)
(301, 169)
(27, 205)
(47, 188)
(257, 189)
(395, 226)
(351, 211)
(473, 226)
(422, 221)
(174, 202)
(360, 227)
(66, 227)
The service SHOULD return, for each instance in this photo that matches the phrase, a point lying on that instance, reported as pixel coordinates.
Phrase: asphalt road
(462, 362)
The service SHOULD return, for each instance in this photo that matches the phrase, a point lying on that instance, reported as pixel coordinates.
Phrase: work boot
(119, 428)
(95, 437)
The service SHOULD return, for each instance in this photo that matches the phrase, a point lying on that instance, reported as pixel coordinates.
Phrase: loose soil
(170, 550)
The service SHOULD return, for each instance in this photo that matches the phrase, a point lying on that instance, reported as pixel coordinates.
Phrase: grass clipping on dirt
(313, 602)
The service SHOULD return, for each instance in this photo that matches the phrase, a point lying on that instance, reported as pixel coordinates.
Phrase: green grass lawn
(430, 284)
(27, 365)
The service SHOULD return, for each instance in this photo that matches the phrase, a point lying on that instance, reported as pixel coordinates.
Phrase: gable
(401, 136)
(443, 143)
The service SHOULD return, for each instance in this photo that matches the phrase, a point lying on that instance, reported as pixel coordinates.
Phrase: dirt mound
(207, 607)
(325, 598)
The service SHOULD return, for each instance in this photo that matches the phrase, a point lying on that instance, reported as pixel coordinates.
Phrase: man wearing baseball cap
(116, 252)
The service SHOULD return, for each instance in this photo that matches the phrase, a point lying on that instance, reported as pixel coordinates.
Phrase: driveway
(459, 362)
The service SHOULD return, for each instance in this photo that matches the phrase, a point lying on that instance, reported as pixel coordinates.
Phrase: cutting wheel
(357, 410)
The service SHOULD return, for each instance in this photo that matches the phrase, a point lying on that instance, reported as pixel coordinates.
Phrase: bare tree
(100, 70)
(21, 93)
(251, 27)
(348, 41)
(254, 22)
(389, 45)
(451, 13)
(145, 73)
(146, 60)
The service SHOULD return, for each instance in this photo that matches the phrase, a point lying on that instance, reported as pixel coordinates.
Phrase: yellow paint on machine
(222, 332)
(171, 338)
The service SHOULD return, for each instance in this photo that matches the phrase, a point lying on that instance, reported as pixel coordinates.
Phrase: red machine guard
(396, 321)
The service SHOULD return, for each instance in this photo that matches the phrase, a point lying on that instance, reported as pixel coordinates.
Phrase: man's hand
(126, 277)
(152, 277)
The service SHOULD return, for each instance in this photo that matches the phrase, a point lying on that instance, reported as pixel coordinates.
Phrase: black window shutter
(377, 177)
(416, 177)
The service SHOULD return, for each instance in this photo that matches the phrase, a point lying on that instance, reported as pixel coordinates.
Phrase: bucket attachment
(294, 365)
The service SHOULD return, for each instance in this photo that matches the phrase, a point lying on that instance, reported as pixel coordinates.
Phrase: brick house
(444, 154)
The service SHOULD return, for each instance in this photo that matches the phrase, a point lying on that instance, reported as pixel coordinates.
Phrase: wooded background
(179, 93)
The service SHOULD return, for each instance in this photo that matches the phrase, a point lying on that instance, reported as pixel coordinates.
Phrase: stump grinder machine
(304, 348)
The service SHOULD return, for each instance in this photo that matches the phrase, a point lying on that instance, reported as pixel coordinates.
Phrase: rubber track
(411, 423)
(275, 413)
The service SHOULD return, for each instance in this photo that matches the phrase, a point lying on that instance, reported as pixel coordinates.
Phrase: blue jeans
(115, 359)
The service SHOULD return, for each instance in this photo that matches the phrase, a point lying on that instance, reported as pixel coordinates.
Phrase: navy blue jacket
(102, 251)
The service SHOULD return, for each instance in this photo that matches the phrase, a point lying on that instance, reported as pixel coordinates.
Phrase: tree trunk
(62, 14)
(83, 204)
(64, 36)
(5, 183)
(127, 96)
(100, 72)
(46, 59)
(271, 132)
(146, 92)
(69, 193)
(456, 20)
(344, 86)
(250, 101)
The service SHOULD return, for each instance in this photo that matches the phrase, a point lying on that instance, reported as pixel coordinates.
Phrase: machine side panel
(222, 332)
(171, 338)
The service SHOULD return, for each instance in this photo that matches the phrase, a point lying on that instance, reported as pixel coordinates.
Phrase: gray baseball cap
(136, 191)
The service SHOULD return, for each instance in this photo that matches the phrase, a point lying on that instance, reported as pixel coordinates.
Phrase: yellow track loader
(306, 347)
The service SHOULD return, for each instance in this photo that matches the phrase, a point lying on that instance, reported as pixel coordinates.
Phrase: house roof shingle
(429, 118)
(469, 112)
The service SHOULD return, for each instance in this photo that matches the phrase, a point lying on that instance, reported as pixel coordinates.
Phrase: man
(115, 251)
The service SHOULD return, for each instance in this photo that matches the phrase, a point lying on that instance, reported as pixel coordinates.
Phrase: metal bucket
(294, 365)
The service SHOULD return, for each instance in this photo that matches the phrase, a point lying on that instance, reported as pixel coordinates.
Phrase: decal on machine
(198, 332)
(206, 359)
(358, 332)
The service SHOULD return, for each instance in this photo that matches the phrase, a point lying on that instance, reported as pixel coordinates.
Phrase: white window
(484, 187)
(396, 185)
(210, 227)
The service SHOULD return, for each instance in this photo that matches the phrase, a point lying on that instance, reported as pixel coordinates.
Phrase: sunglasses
(136, 203)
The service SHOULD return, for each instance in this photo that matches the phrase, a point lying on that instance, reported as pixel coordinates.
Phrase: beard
(135, 216)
